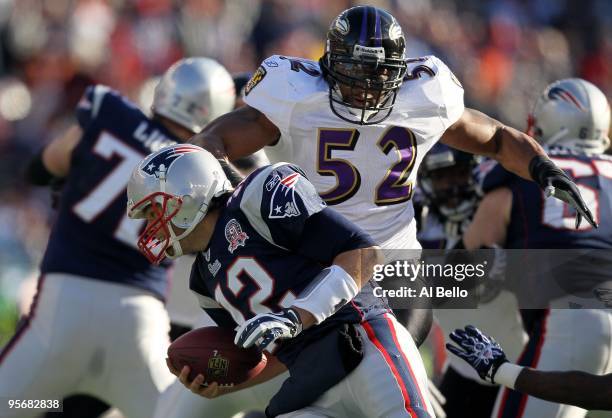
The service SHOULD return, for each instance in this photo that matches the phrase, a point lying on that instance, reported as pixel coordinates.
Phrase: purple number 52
(393, 188)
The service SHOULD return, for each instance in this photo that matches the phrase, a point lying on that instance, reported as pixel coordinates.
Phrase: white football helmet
(572, 113)
(194, 91)
(177, 183)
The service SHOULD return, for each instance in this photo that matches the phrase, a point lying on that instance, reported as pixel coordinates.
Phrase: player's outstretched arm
(485, 355)
(237, 134)
(54, 160)
(519, 153)
(582, 389)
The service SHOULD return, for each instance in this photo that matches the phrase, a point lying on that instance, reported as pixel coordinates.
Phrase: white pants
(390, 381)
(567, 339)
(89, 336)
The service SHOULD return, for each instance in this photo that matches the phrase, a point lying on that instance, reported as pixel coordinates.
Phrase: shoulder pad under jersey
(100, 101)
(430, 89)
(278, 201)
(279, 83)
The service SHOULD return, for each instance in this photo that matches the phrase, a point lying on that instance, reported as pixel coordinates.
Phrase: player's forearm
(574, 388)
(237, 134)
(515, 150)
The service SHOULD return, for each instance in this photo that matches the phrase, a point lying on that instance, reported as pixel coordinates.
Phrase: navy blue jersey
(537, 222)
(93, 237)
(267, 246)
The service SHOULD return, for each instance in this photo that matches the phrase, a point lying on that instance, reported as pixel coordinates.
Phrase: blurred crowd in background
(503, 51)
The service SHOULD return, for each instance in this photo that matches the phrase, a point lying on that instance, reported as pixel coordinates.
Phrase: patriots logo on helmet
(164, 159)
(282, 202)
(557, 93)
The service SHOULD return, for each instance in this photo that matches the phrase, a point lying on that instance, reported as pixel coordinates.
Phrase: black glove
(483, 353)
(556, 183)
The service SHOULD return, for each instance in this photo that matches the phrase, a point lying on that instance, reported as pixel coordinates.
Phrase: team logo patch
(282, 202)
(255, 80)
(271, 63)
(161, 162)
(235, 235)
(341, 25)
(217, 367)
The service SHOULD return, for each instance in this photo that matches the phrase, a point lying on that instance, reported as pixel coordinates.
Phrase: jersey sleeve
(271, 91)
(284, 207)
(451, 92)
(100, 102)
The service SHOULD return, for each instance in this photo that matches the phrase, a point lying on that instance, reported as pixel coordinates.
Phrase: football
(211, 351)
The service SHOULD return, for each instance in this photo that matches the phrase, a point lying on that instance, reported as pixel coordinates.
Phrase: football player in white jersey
(360, 120)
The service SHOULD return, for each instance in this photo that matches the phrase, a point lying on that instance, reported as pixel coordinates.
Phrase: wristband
(330, 290)
(507, 374)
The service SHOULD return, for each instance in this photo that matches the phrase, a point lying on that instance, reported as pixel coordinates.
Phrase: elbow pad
(330, 290)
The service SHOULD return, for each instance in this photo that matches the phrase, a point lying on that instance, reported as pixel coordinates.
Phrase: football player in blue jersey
(571, 118)
(291, 275)
(97, 324)
(450, 190)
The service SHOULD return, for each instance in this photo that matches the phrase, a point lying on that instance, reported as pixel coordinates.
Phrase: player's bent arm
(349, 272)
(478, 133)
(237, 134)
(491, 220)
(54, 159)
(581, 389)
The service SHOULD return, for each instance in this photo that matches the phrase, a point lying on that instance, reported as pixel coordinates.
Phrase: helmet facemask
(158, 209)
(364, 88)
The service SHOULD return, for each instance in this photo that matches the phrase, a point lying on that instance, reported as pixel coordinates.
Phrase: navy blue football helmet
(448, 182)
(364, 64)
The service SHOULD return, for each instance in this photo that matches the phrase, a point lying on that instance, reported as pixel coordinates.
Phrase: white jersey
(366, 172)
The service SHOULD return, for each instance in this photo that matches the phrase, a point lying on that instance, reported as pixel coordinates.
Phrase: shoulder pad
(430, 89)
(279, 83)
(280, 197)
(98, 100)
(491, 175)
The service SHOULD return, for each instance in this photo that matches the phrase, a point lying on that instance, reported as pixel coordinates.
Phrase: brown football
(211, 351)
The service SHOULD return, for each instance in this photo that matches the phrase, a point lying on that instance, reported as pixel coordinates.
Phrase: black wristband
(36, 173)
(541, 169)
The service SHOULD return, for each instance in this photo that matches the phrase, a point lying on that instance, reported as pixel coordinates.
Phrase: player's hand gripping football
(197, 385)
(556, 183)
(264, 329)
(482, 352)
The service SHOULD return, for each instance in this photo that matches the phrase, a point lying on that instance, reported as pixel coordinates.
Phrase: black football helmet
(448, 181)
(364, 64)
